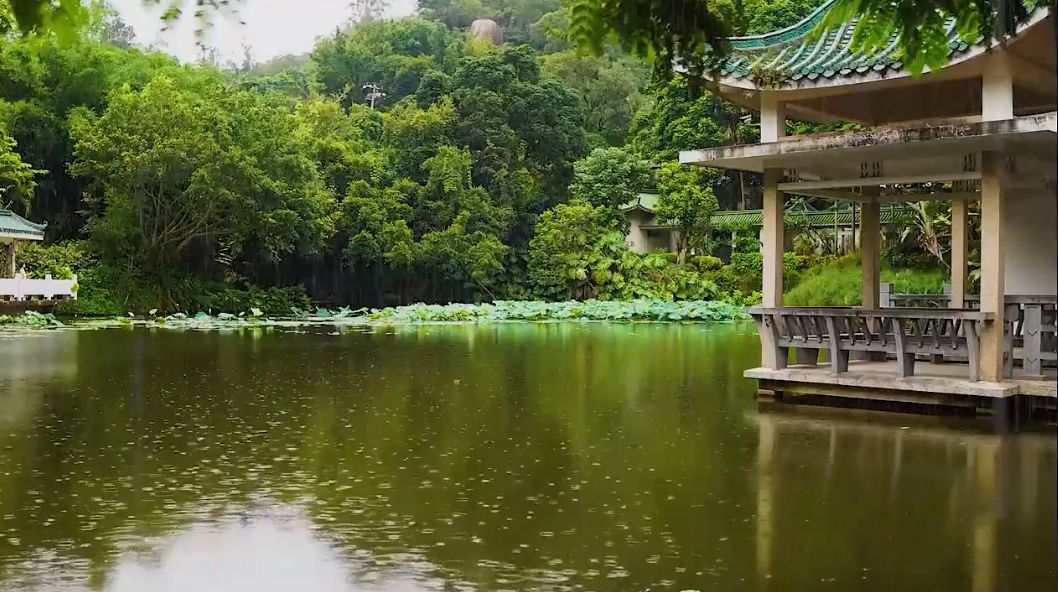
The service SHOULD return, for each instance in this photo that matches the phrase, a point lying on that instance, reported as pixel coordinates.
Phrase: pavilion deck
(933, 384)
(903, 357)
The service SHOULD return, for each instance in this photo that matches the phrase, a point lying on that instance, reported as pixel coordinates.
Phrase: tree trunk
(681, 248)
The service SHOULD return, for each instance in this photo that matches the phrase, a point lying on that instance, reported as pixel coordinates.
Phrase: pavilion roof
(791, 55)
(14, 226)
(643, 201)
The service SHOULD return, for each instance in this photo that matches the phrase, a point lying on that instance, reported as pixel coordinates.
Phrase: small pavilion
(16, 286)
(982, 128)
(15, 228)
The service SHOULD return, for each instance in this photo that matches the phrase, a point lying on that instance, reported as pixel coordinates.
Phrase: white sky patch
(270, 28)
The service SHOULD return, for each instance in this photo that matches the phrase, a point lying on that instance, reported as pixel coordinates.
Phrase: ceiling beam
(837, 194)
(909, 197)
(796, 186)
(1028, 70)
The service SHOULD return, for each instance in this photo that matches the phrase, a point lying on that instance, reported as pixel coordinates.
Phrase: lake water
(514, 457)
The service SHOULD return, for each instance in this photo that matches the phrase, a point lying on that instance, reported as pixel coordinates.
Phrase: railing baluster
(1032, 330)
(839, 359)
(905, 360)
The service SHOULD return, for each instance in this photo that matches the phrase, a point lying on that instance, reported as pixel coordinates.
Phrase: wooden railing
(905, 333)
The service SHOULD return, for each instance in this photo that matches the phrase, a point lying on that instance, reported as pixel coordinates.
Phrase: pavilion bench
(903, 333)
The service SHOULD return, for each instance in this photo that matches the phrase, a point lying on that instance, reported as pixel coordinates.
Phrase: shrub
(743, 274)
(60, 260)
(706, 263)
(273, 301)
(839, 283)
(804, 244)
(96, 284)
(671, 258)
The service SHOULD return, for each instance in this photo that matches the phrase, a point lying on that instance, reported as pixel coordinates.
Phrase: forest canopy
(400, 160)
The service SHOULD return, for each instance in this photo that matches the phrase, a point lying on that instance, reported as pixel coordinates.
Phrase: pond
(502, 457)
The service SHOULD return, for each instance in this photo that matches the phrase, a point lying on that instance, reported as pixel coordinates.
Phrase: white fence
(22, 288)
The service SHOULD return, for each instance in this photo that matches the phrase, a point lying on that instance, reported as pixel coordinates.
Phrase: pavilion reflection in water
(904, 485)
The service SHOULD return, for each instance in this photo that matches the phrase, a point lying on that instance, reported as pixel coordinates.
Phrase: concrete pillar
(772, 237)
(959, 252)
(993, 291)
(772, 117)
(871, 249)
(771, 252)
(997, 89)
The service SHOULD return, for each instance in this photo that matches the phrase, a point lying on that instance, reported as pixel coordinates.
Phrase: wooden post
(772, 239)
(958, 254)
(993, 292)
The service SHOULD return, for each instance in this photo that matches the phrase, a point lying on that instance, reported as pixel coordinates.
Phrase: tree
(608, 91)
(367, 10)
(412, 135)
(172, 169)
(680, 117)
(610, 178)
(376, 225)
(575, 246)
(395, 54)
(686, 204)
(692, 30)
(16, 177)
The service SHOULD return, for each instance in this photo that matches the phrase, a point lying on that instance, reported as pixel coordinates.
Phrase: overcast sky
(272, 27)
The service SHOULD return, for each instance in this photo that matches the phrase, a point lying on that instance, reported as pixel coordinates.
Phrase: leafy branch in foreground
(694, 32)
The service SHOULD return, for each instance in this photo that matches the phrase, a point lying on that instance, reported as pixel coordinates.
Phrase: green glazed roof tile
(13, 224)
(792, 55)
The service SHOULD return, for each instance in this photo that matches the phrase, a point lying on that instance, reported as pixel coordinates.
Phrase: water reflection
(937, 502)
(501, 457)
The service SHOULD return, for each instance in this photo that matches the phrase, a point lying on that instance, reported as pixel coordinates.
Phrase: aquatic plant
(598, 310)
(30, 319)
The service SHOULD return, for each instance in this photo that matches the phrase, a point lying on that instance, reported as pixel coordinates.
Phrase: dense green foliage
(838, 283)
(579, 253)
(484, 172)
(609, 177)
(687, 204)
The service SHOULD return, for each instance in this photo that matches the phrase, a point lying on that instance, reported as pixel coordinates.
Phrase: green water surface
(504, 457)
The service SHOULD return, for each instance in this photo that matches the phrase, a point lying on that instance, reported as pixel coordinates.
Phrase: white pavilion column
(997, 89)
(997, 103)
(993, 292)
(772, 117)
(772, 248)
(958, 253)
